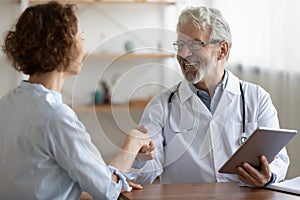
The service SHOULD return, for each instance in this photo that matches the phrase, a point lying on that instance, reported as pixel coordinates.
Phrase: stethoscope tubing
(241, 139)
(243, 100)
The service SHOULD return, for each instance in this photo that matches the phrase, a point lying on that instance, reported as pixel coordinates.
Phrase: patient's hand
(134, 186)
(86, 196)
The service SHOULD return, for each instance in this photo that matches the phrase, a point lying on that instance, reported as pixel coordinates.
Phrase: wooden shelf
(107, 2)
(130, 55)
(137, 105)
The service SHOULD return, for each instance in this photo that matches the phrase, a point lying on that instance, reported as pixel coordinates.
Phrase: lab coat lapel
(224, 109)
(231, 90)
(185, 92)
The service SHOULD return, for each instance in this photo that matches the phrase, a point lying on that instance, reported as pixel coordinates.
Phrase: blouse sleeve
(73, 150)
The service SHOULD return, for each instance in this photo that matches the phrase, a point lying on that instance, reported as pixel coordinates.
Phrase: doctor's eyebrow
(196, 39)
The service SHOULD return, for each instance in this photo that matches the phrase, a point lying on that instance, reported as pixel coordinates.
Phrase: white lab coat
(197, 155)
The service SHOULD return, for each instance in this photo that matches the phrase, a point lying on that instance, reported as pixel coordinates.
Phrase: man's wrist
(272, 179)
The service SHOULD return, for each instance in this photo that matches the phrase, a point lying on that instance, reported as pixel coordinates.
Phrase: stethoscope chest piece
(242, 139)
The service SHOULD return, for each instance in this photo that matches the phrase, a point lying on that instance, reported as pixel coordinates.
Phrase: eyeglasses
(193, 45)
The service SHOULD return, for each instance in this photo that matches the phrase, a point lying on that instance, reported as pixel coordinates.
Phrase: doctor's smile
(190, 65)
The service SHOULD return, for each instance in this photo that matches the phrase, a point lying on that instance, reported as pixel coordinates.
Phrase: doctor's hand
(147, 151)
(254, 177)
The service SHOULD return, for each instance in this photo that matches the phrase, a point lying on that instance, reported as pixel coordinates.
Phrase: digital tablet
(263, 141)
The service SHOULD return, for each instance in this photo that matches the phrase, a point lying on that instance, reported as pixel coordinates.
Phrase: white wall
(8, 13)
(106, 30)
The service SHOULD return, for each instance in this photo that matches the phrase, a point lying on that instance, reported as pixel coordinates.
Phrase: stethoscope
(242, 139)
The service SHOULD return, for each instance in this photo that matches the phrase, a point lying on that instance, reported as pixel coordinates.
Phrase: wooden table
(226, 191)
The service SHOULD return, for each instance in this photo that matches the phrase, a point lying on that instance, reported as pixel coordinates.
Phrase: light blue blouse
(46, 152)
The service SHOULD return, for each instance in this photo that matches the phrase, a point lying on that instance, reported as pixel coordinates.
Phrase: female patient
(45, 150)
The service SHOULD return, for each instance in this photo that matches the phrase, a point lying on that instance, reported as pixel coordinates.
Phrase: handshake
(139, 143)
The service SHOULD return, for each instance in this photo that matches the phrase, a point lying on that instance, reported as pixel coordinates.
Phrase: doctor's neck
(210, 82)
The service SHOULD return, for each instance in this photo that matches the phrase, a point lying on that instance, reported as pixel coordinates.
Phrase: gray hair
(203, 17)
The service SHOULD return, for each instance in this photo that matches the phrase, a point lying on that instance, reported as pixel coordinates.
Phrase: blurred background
(130, 59)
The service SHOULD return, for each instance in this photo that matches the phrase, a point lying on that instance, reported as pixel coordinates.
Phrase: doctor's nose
(185, 51)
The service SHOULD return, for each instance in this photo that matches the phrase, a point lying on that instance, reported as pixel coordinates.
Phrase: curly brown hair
(43, 39)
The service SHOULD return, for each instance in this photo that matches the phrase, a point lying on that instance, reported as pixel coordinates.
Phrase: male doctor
(198, 124)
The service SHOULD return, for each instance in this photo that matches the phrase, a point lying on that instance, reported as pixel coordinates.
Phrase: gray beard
(201, 73)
